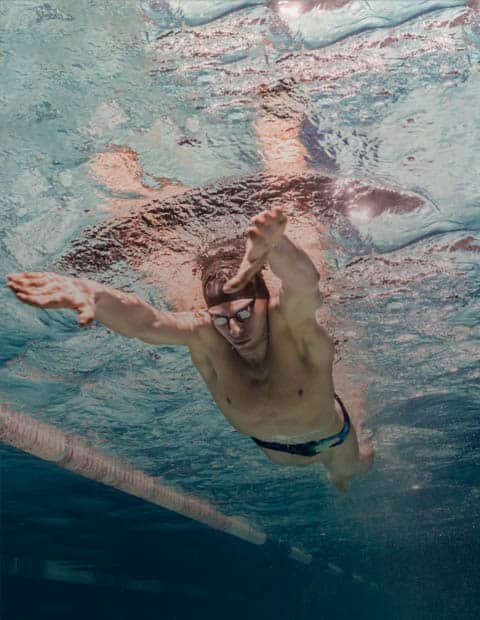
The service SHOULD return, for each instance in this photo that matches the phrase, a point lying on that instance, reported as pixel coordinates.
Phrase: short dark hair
(219, 264)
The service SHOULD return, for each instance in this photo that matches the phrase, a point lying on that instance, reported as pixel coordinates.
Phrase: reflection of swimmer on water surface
(260, 348)
(161, 231)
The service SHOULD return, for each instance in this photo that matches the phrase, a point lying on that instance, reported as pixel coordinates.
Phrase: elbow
(127, 332)
(308, 285)
(308, 279)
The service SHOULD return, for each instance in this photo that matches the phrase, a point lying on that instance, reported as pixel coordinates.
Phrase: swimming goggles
(241, 316)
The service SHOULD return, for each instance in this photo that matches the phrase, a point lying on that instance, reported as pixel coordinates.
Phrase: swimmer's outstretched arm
(124, 313)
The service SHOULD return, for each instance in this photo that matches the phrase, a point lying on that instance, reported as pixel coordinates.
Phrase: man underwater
(265, 359)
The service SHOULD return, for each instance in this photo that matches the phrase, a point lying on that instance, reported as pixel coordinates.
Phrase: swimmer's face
(242, 322)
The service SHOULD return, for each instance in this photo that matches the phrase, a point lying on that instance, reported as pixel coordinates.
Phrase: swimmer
(264, 357)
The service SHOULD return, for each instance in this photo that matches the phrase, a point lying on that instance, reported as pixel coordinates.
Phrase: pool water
(387, 93)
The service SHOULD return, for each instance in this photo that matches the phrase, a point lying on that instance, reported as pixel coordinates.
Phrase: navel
(300, 392)
(229, 401)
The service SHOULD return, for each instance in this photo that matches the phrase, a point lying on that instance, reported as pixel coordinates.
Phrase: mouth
(240, 343)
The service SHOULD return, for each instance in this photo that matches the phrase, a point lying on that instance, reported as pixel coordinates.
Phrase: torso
(288, 398)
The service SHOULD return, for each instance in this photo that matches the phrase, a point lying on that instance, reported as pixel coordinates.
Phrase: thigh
(345, 459)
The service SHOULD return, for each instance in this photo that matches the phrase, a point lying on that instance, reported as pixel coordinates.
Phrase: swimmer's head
(219, 266)
(213, 283)
(241, 317)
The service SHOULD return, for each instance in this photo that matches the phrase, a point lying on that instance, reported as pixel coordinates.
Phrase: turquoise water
(387, 93)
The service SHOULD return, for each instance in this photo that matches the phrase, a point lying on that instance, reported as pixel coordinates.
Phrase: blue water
(388, 94)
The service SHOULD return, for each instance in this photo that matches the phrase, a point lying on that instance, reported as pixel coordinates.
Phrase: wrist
(95, 289)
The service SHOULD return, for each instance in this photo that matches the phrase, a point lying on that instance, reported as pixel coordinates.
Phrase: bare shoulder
(298, 310)
(206, 339)
(202, 331)
(300, 323)
(207, 350)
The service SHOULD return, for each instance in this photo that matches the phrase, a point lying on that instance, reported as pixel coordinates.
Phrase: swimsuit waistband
(312, 448)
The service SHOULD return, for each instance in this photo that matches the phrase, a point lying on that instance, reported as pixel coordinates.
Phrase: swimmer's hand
(265, 232)
(51, 290)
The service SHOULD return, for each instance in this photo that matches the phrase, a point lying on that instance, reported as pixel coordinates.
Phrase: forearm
(125, 313)
(266, 241)
(292, 266)
(131, 316)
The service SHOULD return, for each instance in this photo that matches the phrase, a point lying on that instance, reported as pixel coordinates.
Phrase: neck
(257, 356)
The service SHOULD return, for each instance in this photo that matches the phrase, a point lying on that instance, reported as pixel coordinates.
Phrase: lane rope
(70, 452)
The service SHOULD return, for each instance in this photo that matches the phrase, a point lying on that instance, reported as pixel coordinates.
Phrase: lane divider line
(70, 452)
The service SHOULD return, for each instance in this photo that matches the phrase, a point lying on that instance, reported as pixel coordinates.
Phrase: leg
(351, 460)
(278, 129)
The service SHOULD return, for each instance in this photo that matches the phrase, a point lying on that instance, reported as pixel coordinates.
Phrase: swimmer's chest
(284, 391)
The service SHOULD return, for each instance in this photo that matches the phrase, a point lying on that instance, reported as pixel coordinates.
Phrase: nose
(235, 328)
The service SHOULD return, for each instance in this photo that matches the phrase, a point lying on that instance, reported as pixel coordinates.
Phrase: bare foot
(120, 172)
(340, 485)
(367, 455)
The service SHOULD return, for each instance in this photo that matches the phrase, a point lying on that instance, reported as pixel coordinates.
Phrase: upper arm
(299, 312)
(299, 295)
(174, 328)
(299, 304)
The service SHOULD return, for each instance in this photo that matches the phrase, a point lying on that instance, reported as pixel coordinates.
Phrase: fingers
(231, 286)
(269, 217)
(41, 300)
(39, 288)
(253, 232)
(44, 290)
(86, 316)
(32, 277)
(29, 282)
(59, 301)
(52, 291)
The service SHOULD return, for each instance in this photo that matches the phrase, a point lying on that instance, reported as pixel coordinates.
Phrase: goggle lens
(240, 316)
